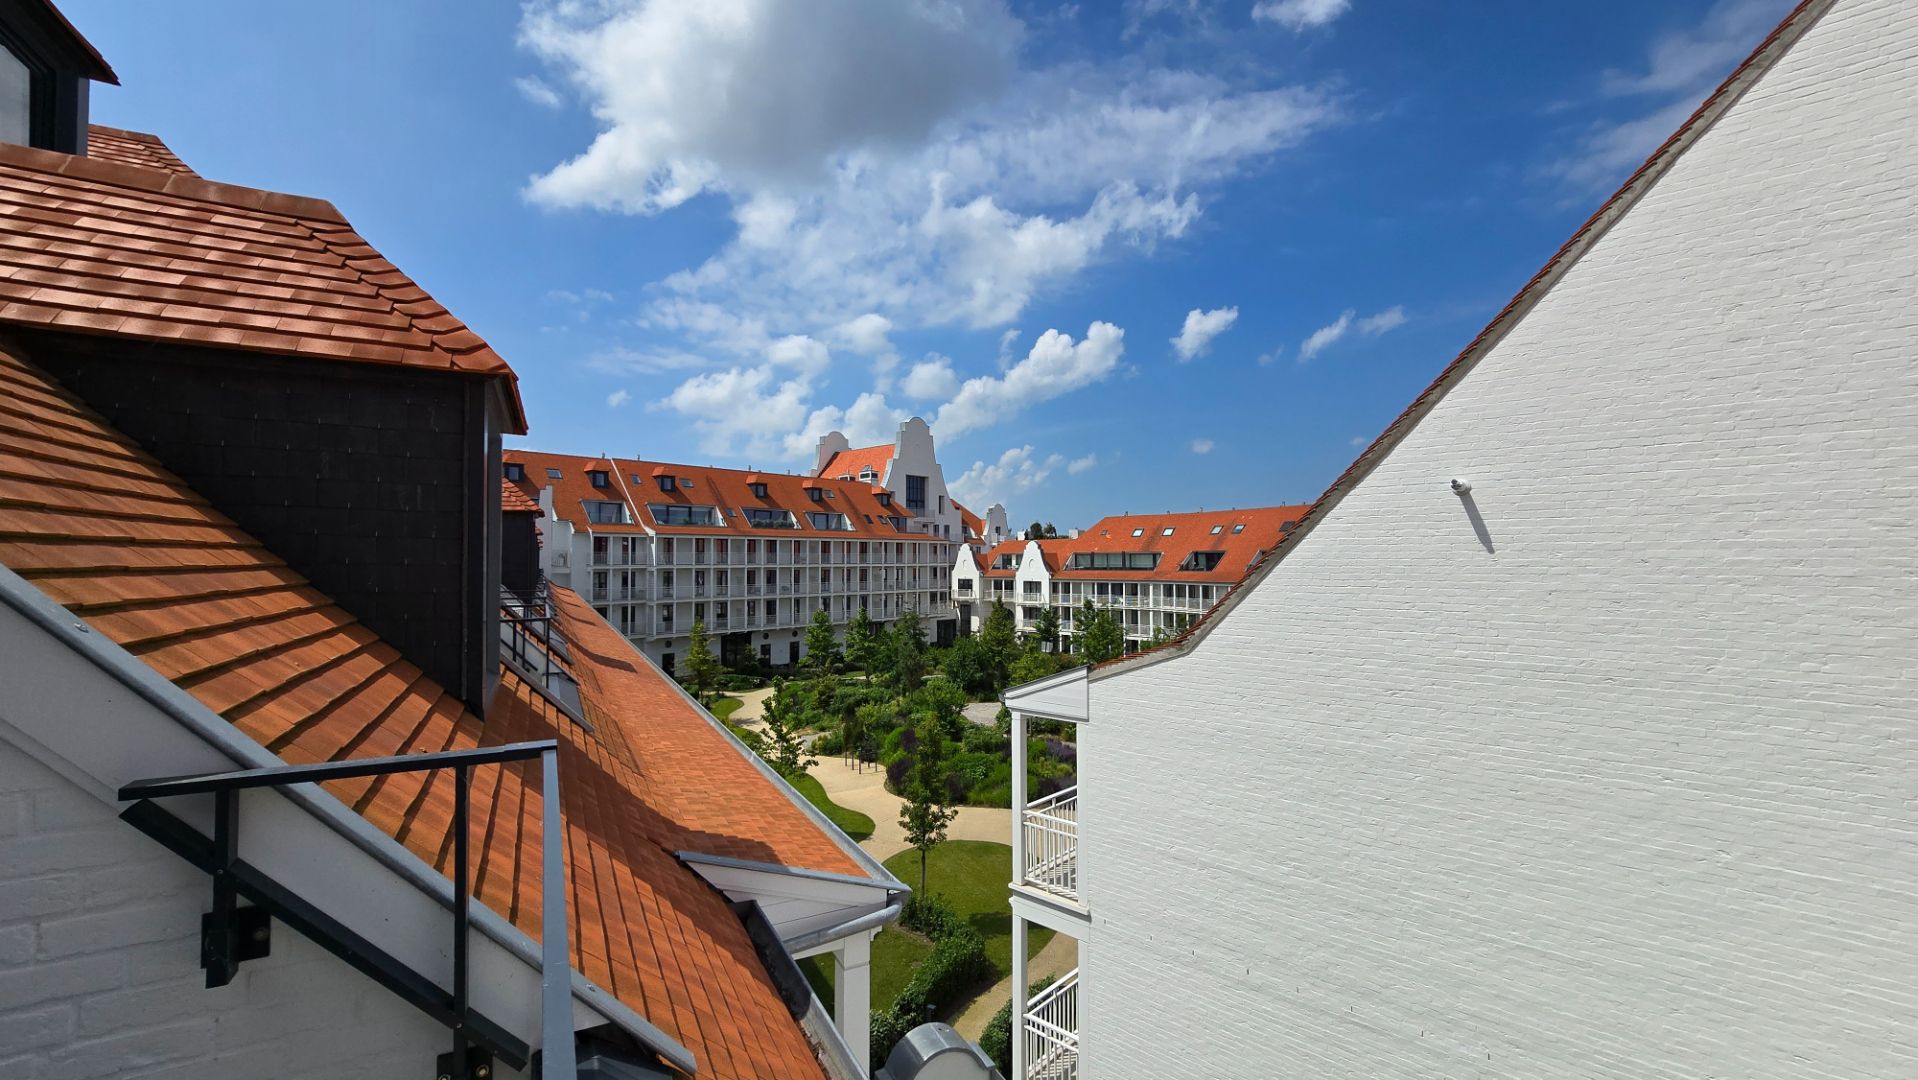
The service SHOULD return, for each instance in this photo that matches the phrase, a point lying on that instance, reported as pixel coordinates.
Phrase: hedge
(956, 964)
(996, 1040)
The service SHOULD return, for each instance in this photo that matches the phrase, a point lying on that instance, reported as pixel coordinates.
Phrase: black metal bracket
(231, 934)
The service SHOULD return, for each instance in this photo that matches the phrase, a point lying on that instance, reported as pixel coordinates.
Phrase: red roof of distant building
(971, 521)
(848, 464)
(94, 245)
(1240, 536)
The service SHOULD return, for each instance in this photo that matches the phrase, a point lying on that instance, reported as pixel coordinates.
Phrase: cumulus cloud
(1300, 15)
(800, 353)
(931, 379)
(1202, 446)
(867, 334)
(868, 420)
(534, 89)
(1081, 464)
(954, 203)
(742, 411)
(1019, 469)
(1055, 365)
(1271, 356)
(1199, 330)
(1680, 68)
(1331, 333)
(618, 397)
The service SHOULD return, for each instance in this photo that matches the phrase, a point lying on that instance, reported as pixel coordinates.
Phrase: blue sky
(1144, 256)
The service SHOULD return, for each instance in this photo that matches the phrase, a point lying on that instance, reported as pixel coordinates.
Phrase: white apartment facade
(1157, 572)
(655, 547)
(1569, 734)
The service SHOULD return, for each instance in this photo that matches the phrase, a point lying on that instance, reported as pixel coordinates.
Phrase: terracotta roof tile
(1259, 531)
(133, 148)
(848, 464)
(251, 639)
(97, 245)
(512, 500)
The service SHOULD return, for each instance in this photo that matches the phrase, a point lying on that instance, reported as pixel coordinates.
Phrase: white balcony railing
(1052, 844)
(1052, 1031)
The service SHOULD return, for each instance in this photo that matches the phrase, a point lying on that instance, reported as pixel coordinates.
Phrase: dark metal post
(462, 900)
(219, 937)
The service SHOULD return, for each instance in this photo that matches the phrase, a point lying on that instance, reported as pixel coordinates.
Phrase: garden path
(983, 713)
(864, 790)
(752, 710)
(1059, 956)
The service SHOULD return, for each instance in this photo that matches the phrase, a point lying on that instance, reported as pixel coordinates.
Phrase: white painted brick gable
(1630, 787)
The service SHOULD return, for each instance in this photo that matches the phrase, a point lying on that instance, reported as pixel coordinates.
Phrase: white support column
(1018, 750)
(1019, 983)
(852, 996)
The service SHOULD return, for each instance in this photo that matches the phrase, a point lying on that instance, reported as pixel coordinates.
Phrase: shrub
(956, 964)
(888, 1027)
(930, 915)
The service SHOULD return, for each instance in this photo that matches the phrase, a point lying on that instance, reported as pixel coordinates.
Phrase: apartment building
(1569, 734)
(984, 532)
(1157, 572)
(290, 786)
(655, 547)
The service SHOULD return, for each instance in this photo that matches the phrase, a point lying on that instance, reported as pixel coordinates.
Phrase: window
(1008, 561)
(942, 504)
(1138, 532)
(1167, 531)
(1114, 560)
(1237, 529)
(815, 494)
(674, 514)
(667, 483)
(1032, 588)
(16, 99)
(1217, 529)
(823, 520)
(759, 490)
(885, 498)
(552, 474)
(1202, 560)
(915, 493)
(769, 519)
(1286, 527)
(599, 478)
(606, 513)
(515, 471)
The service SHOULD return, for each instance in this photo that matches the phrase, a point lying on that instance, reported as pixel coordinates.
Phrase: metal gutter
(869, 921)
(37, 607)
(787, 871)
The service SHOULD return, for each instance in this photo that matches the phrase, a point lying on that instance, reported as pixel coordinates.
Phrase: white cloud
(618, 397)
(931, 379)
(1390, 319)
(1019, 469)
(955, 203)
(1079, 465)
(1271, 356)
(1325, 336)
(868, 420)
(1195, 337)
(1202, 446)
(1055, 366)
(742, 411)
(867, 334)
(1680, 68)
(1300, 15)
(534, 89)
(801, 353)
(1331, 333)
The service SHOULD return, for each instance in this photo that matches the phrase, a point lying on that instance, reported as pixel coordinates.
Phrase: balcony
(1052, 844)
(1052, 1031)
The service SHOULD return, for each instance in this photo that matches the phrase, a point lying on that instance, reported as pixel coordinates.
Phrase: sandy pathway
(864, 790)
(1060, 955)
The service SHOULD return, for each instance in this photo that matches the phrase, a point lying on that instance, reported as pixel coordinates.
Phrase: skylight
(1167, 532)
(1237, 529)
(1217, 529)
(552, 474)
(1138, 532)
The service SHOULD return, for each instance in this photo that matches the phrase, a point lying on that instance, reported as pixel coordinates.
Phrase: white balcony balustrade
(1052, 844)
(1052, 1031)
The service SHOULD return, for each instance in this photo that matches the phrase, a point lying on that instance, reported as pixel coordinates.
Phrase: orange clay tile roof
(636, 484)
(1263, 528)
(95, 246)
(133, 148)
(971, 521)
(96, 523)
(848, 464)
(514, 501)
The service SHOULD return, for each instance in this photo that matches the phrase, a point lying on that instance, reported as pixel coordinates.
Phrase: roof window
(1286, 527)
(607, 513)
(1167, 531)
(552, 474)
(515, 471)
(769, 519)
(1217, 529)
(675, 514)
(599, 478)
(1138, 532)
(1202, 560)
(668, 483)
(1114, 560)
(1237, 529)
(829, 521)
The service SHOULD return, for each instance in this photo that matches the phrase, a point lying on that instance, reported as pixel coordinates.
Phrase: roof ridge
(178, 185)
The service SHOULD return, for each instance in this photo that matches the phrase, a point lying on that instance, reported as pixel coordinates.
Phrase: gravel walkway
(1060, 955)
(864, 789)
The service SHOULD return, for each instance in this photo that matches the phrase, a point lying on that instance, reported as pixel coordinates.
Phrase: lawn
(971, 875)
(851, 822)
(725, 707)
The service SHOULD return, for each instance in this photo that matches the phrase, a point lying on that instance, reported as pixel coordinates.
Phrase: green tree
(862, 643)
(780, 744)
(1101, 638)
(1035, 531)
(967, 665)
(1046, 628)
(703, 669)
(906, 654)
(1032, 665)
(822, 646)
(928, 808)
(1000, 640)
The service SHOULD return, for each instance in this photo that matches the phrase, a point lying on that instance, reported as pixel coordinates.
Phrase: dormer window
(1202, 560)
(599, 478)
(815, 494)
(759, 490)
(515, 471)
(668, 483)
(44, 68)
(885, 498)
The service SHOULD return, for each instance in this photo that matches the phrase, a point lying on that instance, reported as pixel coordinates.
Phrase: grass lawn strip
(851, 822)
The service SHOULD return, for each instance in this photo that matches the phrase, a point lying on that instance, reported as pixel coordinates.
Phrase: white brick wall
(1634, 792)
(100, 975)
